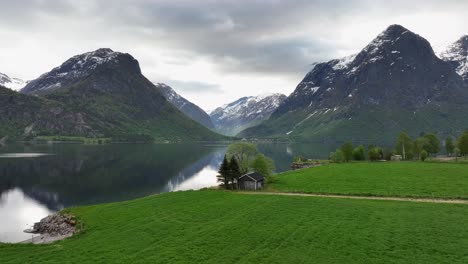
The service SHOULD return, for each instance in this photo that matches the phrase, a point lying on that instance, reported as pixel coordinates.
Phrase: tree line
(409, 149)
(240, 159)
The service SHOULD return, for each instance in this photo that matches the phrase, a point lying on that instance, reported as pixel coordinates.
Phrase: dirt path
(378, 198)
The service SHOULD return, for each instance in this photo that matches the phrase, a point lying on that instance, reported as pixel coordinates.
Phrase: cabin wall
(250, 185)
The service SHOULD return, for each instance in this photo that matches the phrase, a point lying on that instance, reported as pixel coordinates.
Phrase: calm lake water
(37, 180)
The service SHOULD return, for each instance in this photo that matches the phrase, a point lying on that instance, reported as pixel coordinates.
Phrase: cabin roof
(255, 176)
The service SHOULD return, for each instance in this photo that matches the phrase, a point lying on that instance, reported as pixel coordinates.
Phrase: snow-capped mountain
(245, 112)
(395, 83)
(185, 106)
(457, 55)
(78, 68)
(100, 93)
(12, 83)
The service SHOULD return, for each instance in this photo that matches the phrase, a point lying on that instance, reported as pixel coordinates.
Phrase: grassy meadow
(405, 179)
(224, 227)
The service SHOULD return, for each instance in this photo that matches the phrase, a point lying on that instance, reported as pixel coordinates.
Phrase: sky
(214, 52)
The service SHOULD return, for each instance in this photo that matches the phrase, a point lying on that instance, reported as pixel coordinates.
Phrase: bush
(337, 156)
(423, 155)
(358, 153)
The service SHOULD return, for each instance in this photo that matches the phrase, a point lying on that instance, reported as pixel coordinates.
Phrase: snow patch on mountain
(12, 83)
(457, 54)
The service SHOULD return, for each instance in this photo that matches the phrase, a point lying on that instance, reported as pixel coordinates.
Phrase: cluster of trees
(429, 144)
(242, 158)
(348, 152)
(421, 148)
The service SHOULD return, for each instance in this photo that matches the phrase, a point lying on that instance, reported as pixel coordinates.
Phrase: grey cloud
(255, 37)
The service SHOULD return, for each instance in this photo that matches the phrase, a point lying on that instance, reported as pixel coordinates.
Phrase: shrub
(423, 155)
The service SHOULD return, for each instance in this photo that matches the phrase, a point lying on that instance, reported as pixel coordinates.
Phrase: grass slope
(417, 179)
(221, 227)
(377, 125)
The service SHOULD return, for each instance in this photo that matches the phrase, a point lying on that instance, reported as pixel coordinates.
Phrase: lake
(37, 180)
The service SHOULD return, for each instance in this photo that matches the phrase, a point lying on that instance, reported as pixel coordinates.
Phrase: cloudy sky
(213, 52)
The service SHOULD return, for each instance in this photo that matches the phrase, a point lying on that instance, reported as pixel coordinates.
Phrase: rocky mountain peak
(244, 112)
(185, 106)
(80, 67)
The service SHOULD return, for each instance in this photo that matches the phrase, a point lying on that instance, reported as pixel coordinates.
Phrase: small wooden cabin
(251, 181)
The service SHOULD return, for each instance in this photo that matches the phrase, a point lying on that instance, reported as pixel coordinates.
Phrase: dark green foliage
(347, 149)
(463, 143)
(358, 153)
(449, 146)
(234, 172)
(420, 144)
(433, 144)
(223, 176)
(423, 155)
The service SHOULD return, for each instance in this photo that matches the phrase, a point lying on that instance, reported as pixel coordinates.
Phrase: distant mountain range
(245, 112)
(12, 83)
(97, 94)
(395, 83)
(185, 106)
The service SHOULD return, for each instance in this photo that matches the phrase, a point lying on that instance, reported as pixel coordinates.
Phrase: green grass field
(412, 179)
(222, 227)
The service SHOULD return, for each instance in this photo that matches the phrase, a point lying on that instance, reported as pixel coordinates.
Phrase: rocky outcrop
(55, 225)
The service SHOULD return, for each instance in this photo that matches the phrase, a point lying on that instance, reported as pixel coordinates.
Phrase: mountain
(110, 97)
(12, 83)
(395, 83)
(245, 112)
(457, 55)
(26, 116)
(185, 106)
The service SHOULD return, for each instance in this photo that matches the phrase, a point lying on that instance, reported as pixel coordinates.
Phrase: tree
(433, 146)
(337, 156)
(374, 153)
(423, 155)
(244, 153)
(223, 176)
(347, 149)
(403, 145)
(358, 153)
(463, 143)
(420, 144)
(263, 165)
(233, 172)
(457, 153)
(449, 146)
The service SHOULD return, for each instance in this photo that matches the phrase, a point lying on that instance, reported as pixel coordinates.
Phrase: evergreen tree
(234, 172)
(223, 176)
(449, 146)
